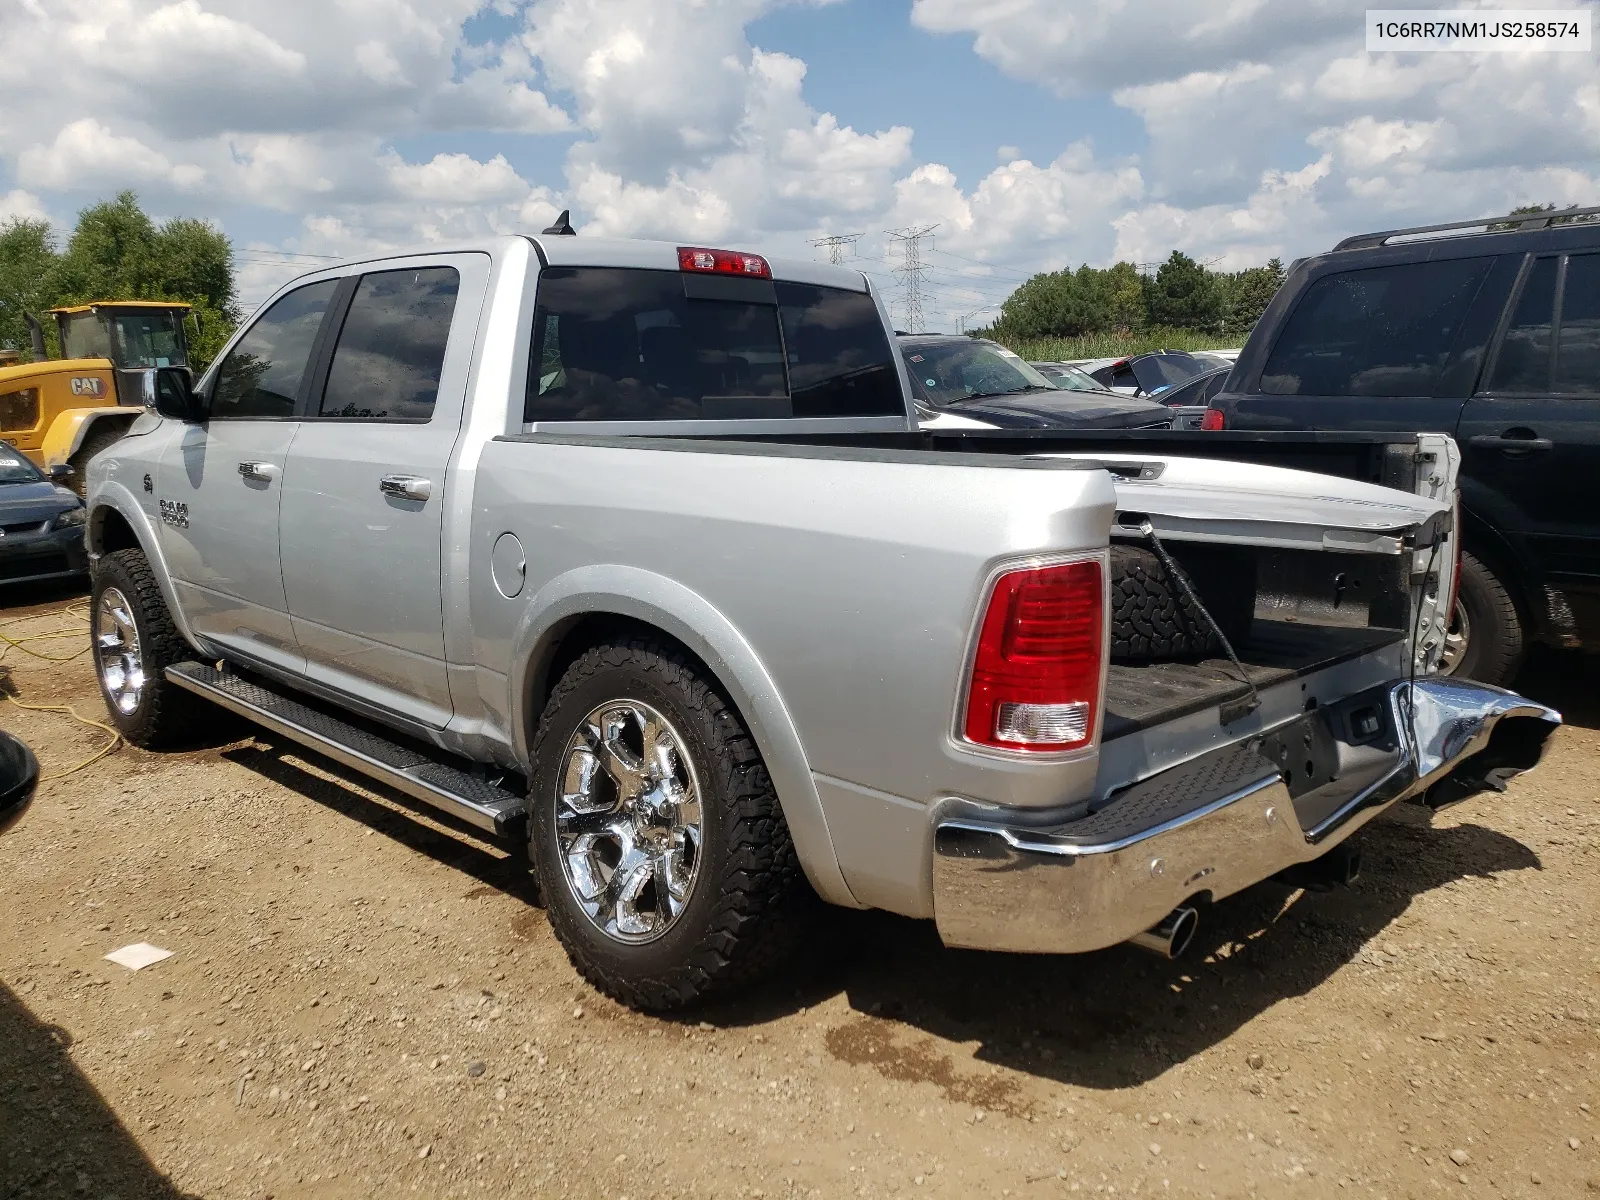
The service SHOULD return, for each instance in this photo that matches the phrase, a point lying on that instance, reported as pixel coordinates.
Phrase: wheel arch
(1516, 570)
(117, 522)
(585, 607)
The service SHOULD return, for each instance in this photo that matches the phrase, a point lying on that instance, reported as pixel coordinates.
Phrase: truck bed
(1140, 696)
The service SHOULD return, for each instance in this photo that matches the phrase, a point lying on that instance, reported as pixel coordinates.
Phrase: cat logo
(86, 386)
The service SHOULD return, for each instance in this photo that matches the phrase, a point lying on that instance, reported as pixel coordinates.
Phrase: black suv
(1487, 330)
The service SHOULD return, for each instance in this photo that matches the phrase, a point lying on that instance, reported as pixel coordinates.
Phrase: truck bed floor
(1139, 696)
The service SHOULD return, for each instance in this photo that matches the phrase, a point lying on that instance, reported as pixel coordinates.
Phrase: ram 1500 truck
(634, 552)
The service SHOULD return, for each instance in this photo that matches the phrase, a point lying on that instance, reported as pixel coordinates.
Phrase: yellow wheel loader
(62, 412)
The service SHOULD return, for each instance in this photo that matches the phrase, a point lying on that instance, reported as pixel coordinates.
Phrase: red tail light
(1036, 673)
(723, 262)
(1214, 419)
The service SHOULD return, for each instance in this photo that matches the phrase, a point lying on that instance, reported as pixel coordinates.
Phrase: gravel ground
(364, 1000)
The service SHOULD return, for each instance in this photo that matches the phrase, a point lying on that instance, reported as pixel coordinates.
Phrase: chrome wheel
(628, 819)
(116, 646)
(1456, 639)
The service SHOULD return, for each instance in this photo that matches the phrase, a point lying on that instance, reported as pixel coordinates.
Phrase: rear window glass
(620, 344)
(1157, 371)
(1384, 331)
(391, 348)
(1578, 352)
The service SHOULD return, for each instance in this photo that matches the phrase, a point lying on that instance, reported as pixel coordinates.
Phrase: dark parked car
(1196, 391)
(983, 381)
(19, 775)
(1149, 374)
(1488, 330)
(41, 524)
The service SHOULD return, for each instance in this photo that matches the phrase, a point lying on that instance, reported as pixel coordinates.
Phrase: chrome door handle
(406, 487)
(265, 472)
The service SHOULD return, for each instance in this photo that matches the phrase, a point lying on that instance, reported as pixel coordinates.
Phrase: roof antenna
(563, 224)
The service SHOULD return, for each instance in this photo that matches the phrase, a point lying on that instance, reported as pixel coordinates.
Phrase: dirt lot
(363, 1001)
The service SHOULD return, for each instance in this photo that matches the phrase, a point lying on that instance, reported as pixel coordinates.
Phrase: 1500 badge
(175, 514)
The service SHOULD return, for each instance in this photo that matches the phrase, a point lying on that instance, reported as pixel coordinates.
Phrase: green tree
(117, 252)
(27, 279)
(1184, 295)
(1249, 293)
(1071, 303)
(1533, 210)
(1127, 307)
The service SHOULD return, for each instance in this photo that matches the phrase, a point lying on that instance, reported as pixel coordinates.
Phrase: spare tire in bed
(1152, 616)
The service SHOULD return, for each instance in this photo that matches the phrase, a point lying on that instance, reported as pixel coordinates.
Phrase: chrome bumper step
(1228, 820)
(473, 800)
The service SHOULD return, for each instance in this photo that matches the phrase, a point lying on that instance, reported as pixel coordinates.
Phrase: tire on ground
(1152, 616)
(102, 434)
(1496, 641)
(749, 903)
(165, 714)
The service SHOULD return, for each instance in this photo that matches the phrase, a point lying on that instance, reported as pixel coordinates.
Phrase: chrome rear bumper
(1232, 818)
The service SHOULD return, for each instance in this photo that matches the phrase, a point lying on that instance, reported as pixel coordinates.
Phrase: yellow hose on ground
(11, 643)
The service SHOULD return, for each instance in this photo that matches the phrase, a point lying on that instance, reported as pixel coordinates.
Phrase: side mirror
(59, 473)
(170, 392)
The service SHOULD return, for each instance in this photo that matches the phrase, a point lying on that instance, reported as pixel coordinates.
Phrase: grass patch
(1114, 345)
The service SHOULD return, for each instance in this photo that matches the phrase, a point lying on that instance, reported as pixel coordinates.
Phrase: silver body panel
(834, 593)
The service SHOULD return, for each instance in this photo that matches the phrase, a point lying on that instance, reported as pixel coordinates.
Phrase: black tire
(748, 903)
(1152, 616)
(1486, 630)
(164, 714)
(103, 434)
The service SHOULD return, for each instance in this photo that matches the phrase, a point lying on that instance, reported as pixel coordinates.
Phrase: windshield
(16, 469)
(144, 339)
(950, 372)
(150, 339)
(1069, 377)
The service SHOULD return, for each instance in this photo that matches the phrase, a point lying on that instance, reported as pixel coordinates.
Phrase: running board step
(475, 801)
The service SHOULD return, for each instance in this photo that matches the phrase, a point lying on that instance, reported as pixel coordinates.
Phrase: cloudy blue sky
(1033, 133)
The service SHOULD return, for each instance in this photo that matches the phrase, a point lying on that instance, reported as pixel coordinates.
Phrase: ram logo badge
(175, 514)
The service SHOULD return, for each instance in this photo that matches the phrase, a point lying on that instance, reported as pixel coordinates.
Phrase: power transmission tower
(912, 270)
(836, 245)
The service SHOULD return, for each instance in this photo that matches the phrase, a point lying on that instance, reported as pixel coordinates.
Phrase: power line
(913, 270)
(979, 262)
(835, 245)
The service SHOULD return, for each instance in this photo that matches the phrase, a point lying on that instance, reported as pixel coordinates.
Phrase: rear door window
(1578, 347)
(622, 344)
(1383, 331)
(1523, 363)
(391, 346)
(262, 374)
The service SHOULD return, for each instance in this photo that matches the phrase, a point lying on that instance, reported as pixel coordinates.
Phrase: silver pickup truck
(634, 553)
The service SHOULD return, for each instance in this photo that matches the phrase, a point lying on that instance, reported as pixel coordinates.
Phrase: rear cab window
(619, 345)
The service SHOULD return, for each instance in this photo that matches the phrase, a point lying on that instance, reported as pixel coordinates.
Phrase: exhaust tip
(1172, 936)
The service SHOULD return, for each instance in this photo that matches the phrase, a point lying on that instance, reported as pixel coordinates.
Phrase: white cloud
(18, 205)
(456, 179)
(85, 153)
(1271, 129)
